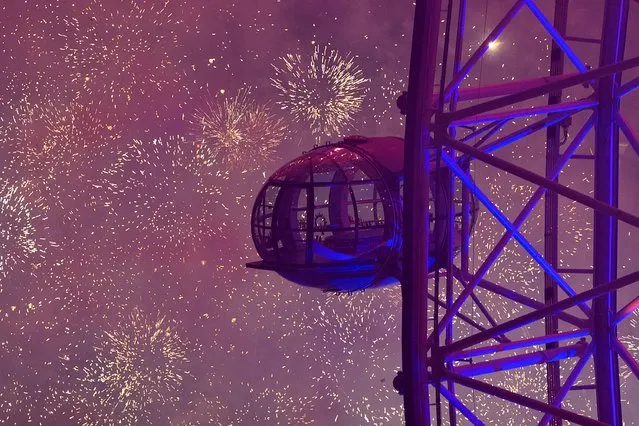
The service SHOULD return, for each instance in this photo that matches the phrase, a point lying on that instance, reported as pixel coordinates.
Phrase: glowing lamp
(331, 219)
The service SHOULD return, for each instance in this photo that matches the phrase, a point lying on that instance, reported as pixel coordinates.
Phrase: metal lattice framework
(572, 328)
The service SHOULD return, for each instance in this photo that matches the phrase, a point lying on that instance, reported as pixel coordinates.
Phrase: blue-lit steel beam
(526, 131)
(520, 298)
(522, 360)
(556, 36)
(625, 281)
(511, 346)
(526, 174)
(606, 183)
(483, 269)
(501, 218)
(628, 87)
(630, 135)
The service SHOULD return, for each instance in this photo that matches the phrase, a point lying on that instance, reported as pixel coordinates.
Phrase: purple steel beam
(482, 49)
(551, 205)
(503, 89)
(605, 229)
(523, 360)
(627, 310)
(522, 400)
(570, 381)
(556, 36)
(575, 270)
(560, 306)
(414, 286)
(524, 300)
(630, 135)
(528, 130)
(559, 84)
(567, 192)
(535, 341)
(518, 221)
(627, 357)
(513, 229)
(448, 180)
(452, 399)
(575, 106)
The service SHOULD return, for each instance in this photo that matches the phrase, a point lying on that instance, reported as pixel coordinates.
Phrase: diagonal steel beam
(478, 132)
(570, 381)
(627, 357)
(466, 318)
(556, 36)
(526, 131)
(483, 269)
(521, 400)
(627, 131)
(466, 180)
(575, 106)
(461, 407)
(520, 298)
(522, 360)
(628, 87)
(627, 280)
(627, 310)
(503, 89)
(542, 181)
(535, 92)
(510, 346)
(482, 49)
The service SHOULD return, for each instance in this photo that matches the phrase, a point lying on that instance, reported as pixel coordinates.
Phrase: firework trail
(324, 92)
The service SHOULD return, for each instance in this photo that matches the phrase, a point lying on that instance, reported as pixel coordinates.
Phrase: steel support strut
(416, 174)
(551, 208)
(606, 181)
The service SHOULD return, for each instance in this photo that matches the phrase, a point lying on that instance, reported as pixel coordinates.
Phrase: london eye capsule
(331, 219)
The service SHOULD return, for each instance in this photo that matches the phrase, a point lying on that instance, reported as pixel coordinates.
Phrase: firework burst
(122, 50)
(166, 198)
(68, 153)
(324, 92)
(23, 225)
(138, 368)
(237, 132)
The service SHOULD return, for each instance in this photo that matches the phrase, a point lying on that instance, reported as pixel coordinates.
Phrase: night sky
(134, 137)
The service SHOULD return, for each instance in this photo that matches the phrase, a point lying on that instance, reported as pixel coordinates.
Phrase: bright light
(493, 45)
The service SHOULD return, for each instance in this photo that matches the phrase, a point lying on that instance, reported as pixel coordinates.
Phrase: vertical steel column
(551, 208)
(605, 227)
(415, 251)
(459, 44)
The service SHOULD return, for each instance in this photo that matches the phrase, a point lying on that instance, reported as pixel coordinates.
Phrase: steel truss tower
(456, 122)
